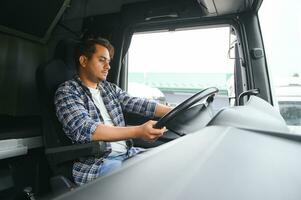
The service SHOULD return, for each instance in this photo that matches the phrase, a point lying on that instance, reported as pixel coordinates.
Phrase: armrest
(75, 151)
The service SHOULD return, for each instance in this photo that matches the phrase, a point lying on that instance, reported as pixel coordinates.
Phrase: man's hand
(147, 132)
(161, 110)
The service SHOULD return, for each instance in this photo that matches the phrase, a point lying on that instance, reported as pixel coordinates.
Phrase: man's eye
(104, 60)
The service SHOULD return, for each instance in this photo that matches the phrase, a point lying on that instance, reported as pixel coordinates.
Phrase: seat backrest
(59, 149)
(49, 77)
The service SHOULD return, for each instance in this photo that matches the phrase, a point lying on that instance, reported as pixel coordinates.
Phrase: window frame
(159, 26)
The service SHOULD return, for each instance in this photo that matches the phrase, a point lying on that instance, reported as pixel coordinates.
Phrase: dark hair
(87, 48)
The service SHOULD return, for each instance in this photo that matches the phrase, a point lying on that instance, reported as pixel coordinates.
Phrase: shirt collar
(77, 79)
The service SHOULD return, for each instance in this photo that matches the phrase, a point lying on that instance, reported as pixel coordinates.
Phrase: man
(90, 109)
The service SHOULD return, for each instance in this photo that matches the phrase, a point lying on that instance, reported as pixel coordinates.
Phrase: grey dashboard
(256, 114)
(236, 159)
(216, 162)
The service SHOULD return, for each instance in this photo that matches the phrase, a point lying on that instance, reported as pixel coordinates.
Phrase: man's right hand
(147, 132)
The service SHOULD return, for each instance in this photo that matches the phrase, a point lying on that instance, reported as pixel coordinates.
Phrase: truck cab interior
(231, 147)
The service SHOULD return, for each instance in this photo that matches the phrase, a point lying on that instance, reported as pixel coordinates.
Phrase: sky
(200, 51)
(281, 29)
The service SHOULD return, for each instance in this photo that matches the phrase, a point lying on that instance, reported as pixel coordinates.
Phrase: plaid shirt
(80, 117)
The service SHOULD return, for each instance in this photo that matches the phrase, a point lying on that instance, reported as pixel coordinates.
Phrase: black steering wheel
(206, 93)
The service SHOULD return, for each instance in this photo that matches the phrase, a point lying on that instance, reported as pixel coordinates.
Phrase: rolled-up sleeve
(136, 105)
(73, 115)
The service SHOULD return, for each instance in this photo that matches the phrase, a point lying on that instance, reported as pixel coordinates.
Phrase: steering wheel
(206, 93)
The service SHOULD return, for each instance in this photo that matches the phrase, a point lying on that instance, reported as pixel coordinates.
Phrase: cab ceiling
(85, 8)
(35, 19)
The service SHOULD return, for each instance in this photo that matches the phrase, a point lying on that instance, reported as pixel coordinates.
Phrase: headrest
(65, 51)
(58, 70)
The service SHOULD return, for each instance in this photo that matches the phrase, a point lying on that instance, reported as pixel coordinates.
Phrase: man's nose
(107, 65)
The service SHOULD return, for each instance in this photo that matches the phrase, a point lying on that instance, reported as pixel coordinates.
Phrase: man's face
(97, 67)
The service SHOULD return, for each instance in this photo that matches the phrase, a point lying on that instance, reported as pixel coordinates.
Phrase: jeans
(114, 162)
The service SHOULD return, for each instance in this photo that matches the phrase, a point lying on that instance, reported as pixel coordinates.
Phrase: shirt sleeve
(136, 105)
(73, 115)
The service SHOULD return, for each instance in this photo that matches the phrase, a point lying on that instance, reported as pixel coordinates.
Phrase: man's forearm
(114, 133)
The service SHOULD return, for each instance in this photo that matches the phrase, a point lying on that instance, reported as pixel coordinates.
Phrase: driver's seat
(59, 150)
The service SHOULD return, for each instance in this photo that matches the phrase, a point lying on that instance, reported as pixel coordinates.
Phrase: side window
(171, 66)
(281, 30)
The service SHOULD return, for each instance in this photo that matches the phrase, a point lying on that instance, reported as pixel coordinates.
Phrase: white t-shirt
(118, 147)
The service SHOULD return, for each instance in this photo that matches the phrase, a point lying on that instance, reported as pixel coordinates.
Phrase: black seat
(59, 150)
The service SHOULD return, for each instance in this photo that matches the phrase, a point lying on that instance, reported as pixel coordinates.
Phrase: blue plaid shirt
(79, 116)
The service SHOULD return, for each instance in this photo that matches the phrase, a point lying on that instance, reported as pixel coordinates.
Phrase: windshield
(281, 30)
(180, 63)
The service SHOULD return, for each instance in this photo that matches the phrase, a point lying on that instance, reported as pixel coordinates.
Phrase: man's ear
(83, 61)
